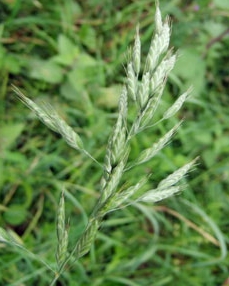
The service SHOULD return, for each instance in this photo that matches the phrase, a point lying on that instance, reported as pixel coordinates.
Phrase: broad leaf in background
(45, 70)
(88, 36)
(67, 51)
(223, 4)
(9, 133)
(15, 214)
(190, 67)
(85, 71)
(9, 62)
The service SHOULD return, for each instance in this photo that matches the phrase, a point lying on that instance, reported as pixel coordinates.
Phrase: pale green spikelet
(162, 72)
(176, 176)
(158, 19)
(177, 105)
(117, 141)
(146, 114)
(167, 187)
(156, 195)
(123, 196)
(62, 250)
(62, 233)
(52, 120)
(68, 134)
(5, 236)
(149, 153)
(118, 136)
(40, 113)
(123, 105)
(116, 148)
(61, 218)
(136, 57)
(113, 181)
(144, 90)
(159, 45)
(131, 81)
(84, 243)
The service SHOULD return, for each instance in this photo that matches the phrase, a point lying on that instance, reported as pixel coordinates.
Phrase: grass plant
(105, 182)
(144, 89)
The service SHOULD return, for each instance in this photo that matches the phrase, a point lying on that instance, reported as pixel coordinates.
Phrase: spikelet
(5, 237)
(51, 119)
(122, 198)
(158, 19)
(149, 153)
(62, 233)
(154, 196)
(131, 81)
(176, 176)
(136, 56)
(147, 113)
(159, 43)
(112, 182)
(177, 105)
(144, 90)
(84, 243)
(40, 113)
(123, 105)
(162, 72)
(168, 187)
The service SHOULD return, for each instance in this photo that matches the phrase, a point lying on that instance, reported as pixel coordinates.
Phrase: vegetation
(70, 54)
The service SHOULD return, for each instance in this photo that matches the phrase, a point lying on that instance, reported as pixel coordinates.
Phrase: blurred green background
(71, 54)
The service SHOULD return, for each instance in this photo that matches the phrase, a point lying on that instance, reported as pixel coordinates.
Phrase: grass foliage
(70, 55)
